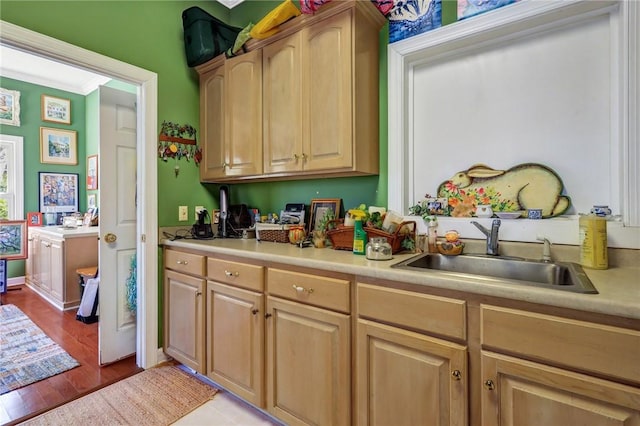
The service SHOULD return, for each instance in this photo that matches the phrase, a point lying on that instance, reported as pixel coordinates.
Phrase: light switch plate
(183, 213)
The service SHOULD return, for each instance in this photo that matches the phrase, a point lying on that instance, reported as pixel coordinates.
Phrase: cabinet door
(57, 267)
(212, 111)
(327, 89)
(282, 104)
(31, 264)
(184, 319)
(308, 364)
(235, 340)
(44, 264)
(406, 378)
(523, 393)
(243, 114)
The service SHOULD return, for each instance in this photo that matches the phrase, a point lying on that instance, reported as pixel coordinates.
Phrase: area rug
(158, 396)
(27, 355)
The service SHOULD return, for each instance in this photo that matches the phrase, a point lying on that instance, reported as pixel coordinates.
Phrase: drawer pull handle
(231, 274)
(182, 262)
(301, 290)
(489, 385)
(254, 311)
(456, 374)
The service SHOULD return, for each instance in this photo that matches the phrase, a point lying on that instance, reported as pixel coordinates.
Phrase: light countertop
(60, 232)
(618, 287)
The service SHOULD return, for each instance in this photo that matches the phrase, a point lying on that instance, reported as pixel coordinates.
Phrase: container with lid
(378, 248)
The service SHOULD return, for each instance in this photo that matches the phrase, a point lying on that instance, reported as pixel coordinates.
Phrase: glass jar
(378, 248)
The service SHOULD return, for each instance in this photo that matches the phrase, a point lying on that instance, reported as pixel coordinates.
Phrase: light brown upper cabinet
(319, 101)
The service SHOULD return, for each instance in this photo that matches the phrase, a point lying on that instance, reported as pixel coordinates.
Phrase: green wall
(29, 129)
(148, 34)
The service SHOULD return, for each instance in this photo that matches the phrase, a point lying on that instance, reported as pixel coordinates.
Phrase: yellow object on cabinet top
(268, 25)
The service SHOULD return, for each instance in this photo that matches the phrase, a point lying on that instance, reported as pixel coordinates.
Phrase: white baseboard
(15, 281)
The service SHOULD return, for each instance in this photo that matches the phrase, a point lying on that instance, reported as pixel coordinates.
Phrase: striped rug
(27, 355)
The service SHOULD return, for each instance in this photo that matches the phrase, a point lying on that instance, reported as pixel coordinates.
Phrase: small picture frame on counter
(34, 219)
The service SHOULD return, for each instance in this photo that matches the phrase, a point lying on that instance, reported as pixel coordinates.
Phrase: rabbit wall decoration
(525, 186)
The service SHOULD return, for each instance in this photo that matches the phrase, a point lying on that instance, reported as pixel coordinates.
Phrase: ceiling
(230, 3)
(28, 67)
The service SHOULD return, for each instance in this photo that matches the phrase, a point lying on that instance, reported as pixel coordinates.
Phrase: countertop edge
(608, 302)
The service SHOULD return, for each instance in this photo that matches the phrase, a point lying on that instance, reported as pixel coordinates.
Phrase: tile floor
(225, 409)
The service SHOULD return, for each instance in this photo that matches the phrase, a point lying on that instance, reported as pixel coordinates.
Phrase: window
(11, 178)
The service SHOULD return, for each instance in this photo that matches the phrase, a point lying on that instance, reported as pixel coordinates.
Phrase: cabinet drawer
(431, 314)
(598, 348)
(234, 273)
(326, 292)
(184, 262)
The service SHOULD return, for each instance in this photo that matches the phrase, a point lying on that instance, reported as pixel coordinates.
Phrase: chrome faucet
(546, 248)
(492, 235)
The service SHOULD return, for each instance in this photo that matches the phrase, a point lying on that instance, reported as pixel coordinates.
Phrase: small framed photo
(58, 192)
(9, 107)
(437, 206)
(56, 110)
(58, 146)
(91, 200)
(13, 239)
(92, 172)
(319, 208)
(34, 219)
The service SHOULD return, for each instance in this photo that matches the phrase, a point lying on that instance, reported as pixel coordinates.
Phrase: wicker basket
(342, 237)
(273, 232)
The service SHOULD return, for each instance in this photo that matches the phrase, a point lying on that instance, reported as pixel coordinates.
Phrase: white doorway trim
(147, 236)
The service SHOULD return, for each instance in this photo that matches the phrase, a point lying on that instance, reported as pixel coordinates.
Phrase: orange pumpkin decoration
(296, 234)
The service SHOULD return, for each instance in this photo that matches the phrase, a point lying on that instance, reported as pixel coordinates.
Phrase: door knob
(110, 238)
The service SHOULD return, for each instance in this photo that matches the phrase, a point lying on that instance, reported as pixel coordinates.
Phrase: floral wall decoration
(178, 141)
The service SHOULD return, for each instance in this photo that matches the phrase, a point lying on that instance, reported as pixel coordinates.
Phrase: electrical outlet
(183, 213)
(197, 210)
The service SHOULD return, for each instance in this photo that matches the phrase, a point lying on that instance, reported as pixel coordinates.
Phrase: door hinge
(143, 238)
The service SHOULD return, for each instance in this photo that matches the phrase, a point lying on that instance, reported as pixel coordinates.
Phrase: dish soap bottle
(593, 241)
(359, 238)
(432, 234)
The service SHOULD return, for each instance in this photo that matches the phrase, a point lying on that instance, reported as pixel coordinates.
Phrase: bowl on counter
(509, 215)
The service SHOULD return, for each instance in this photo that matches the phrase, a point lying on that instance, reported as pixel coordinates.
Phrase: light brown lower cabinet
(523, 393)
(407, 378)
(308, 364)
(235, 340)
(184, 313)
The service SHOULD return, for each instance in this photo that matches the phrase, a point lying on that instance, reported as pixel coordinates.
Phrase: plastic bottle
(432, 234)
(593, 241)
(359, 238)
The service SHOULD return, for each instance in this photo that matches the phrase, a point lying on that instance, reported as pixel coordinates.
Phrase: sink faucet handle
(546, 248)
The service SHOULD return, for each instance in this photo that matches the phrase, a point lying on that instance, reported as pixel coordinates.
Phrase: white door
(117, 179)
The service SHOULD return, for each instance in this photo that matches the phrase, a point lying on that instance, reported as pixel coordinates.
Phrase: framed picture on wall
(9, 107)
(58, 192)
(91, 200)
(58, 146)
(92, 172)
(56, 110)
(13, 239)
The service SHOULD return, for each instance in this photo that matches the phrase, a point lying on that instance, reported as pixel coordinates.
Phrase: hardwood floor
(79, 340)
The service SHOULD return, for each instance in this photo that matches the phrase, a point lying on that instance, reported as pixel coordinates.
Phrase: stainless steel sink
(557, 275)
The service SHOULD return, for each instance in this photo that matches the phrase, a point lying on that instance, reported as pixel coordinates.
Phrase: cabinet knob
(224, 165)
(182, 262)
(267, 315)
(304, 156)
(456, 375)
(255, 311)
(301, 290)
(231, 274)
(198, 293)
(489, 385)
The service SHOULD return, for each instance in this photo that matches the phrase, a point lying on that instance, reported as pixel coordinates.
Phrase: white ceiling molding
(230, 3)
(22, 66)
